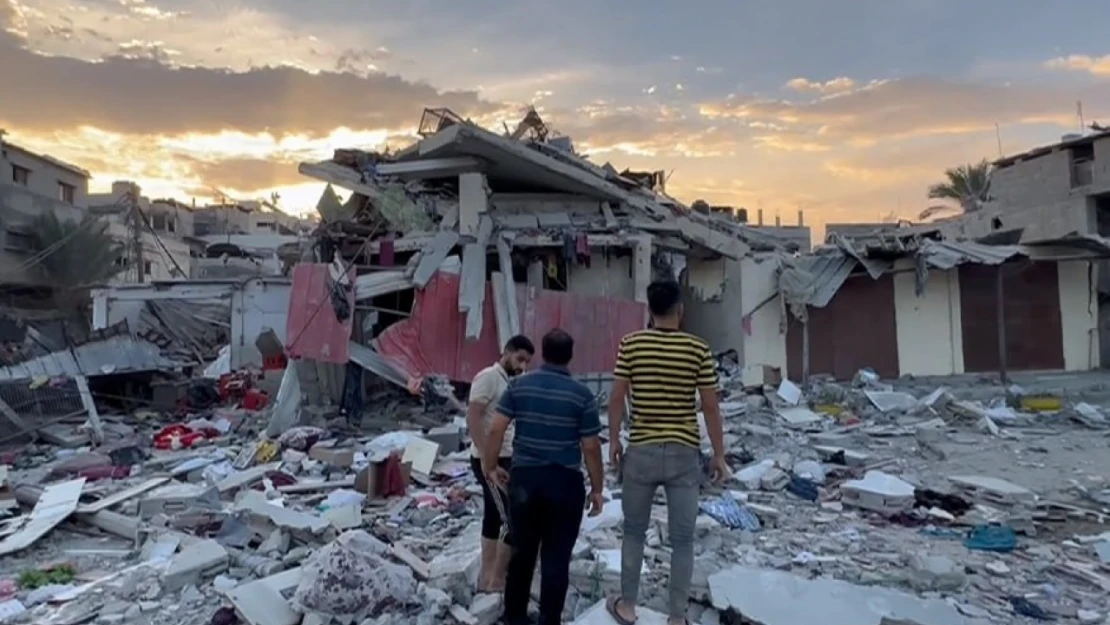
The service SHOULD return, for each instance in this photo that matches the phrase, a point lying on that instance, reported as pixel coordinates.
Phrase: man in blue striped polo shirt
(556, 423)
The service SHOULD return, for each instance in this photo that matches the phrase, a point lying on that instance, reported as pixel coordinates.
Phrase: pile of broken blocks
(865, 503)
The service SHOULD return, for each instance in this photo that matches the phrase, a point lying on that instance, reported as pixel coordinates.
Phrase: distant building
(167, 241)
(244, 217)
(30, 185)
(1048, 192)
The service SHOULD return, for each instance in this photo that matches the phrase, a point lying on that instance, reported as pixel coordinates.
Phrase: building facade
(167, 249)
(32, 184)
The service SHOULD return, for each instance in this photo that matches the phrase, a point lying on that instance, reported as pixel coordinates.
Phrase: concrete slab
(56, 503)
(204, 558)
(256, 503)
(773, 597)
(598, 615)
(992, 487)
(878, 491)
(799, 416)
(262, 602)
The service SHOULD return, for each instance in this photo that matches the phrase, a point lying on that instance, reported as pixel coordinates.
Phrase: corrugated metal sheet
(380, 283)
(827, 274)
(312, 329)
(949, 254)
(373, 362)
(117, 354)
(431, 341)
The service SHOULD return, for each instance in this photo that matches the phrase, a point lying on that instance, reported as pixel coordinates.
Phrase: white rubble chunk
(455, 569)
(880, 492)
(772, 597)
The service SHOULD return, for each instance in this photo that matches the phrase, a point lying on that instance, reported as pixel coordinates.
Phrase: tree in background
(72, 256)
(967, 185)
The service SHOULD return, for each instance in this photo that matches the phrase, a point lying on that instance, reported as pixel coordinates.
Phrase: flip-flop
(611, 608)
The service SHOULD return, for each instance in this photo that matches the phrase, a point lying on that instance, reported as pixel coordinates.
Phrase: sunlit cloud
(1095, 65)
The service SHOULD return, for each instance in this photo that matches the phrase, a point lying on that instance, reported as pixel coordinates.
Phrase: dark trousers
(545, 510)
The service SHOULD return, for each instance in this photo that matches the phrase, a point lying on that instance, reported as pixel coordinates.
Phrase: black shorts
(495, 507)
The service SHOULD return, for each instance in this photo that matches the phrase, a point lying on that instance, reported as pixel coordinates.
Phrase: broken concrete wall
(713, 298)
(606, 276)
(255, 305)
(935, 314)
(765, 337)
(1079, 314)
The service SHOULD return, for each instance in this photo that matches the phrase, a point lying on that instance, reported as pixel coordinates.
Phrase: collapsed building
(504, 234)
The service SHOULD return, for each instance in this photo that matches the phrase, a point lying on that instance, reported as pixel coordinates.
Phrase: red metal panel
(312, 329)
(433, 339)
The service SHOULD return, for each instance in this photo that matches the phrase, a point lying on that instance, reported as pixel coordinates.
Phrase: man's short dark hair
(663, 297)
(558, 347)
(520, 343)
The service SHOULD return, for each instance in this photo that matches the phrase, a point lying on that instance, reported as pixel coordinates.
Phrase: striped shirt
(552, 413)
(665, 368)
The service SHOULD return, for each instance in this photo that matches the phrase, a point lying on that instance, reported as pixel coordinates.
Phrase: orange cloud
(1095, 65)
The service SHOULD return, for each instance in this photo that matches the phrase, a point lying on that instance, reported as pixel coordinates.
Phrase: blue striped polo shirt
(552, 412)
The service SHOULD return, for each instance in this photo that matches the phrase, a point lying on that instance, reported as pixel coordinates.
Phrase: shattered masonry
(216, 451)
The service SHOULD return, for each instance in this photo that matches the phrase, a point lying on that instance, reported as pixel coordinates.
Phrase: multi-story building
(1048, 192)
(167, 243)
(30, 185)
(244, 217)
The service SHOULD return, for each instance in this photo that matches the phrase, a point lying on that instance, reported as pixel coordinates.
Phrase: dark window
(1082, 165)
(66, 192)
(147, 267)
(21, 175)
(18, 241)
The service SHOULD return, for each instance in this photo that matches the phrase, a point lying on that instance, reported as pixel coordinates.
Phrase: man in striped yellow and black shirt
(665, 369)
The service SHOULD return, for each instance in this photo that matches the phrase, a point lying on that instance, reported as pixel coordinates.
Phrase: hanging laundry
(552, 267)
(582, 249)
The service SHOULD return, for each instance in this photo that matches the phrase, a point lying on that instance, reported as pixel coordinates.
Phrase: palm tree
(967, 185)
(71, 256)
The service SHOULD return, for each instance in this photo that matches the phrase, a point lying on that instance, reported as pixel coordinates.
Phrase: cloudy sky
(847, 109)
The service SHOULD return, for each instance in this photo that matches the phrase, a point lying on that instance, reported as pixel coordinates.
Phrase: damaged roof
(814, 279)
(514, 165)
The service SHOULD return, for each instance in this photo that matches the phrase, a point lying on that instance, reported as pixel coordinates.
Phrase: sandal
(611, 608)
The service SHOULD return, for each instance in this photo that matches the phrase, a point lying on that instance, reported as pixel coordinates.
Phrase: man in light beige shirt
(485, 393)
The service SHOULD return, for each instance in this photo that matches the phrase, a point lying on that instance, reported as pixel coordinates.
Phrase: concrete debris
(292, 491)
(781, 598)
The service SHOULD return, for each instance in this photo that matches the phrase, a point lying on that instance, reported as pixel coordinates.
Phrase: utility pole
(136, 233)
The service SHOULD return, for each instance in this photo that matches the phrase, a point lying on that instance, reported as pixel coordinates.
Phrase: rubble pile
(865, 503)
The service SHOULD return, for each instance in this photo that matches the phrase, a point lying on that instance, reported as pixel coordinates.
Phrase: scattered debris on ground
(908, 514)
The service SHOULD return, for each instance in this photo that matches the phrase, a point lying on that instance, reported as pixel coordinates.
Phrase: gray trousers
(677, 468)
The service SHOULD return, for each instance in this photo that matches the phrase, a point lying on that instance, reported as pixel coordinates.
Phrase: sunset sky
(847, 109)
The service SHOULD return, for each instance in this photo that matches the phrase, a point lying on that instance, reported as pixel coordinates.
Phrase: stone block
(878, 492)
(455, 569)
(196, 562)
